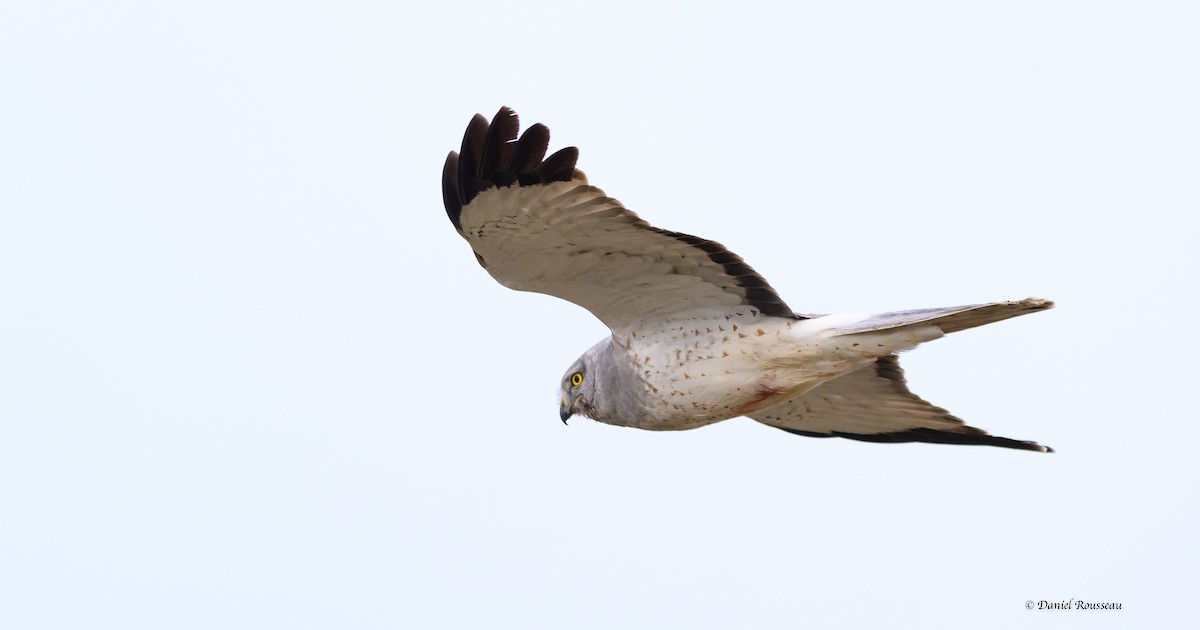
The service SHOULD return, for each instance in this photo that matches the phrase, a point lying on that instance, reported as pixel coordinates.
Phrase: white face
(573, 384)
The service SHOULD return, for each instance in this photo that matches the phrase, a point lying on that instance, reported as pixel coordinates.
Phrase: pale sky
(250, 376)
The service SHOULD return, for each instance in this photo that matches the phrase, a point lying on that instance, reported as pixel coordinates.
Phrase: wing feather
(560, 166)
(450, 194)
(530, 149)
(498, 144)
(949, 320)
(873, 404)
(469, 182)
(536, 225)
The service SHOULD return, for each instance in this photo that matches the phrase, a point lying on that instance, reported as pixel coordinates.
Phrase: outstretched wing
(873, 404)
(536, 225)
(952, 319)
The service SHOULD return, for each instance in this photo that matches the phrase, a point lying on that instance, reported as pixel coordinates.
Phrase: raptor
(697, 335)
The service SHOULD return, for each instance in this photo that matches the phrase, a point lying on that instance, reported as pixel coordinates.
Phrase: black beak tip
(564, 414)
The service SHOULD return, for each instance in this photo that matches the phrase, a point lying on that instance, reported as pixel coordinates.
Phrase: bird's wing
(952, 319)
(873, 404)
(536, 225)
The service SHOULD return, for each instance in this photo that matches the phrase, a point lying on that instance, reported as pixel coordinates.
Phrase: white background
(250, 377)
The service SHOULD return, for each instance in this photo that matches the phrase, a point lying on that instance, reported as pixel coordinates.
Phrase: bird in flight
(697, 335)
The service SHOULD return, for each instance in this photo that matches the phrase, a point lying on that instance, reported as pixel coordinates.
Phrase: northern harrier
(697, 335)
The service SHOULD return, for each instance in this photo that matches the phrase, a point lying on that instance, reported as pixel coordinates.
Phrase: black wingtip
(493, 156)
(498, 143)
(971, 437)
(450, 190)
(529, 150)
(560, 166)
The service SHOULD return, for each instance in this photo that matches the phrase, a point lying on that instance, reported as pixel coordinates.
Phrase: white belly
(699, 371)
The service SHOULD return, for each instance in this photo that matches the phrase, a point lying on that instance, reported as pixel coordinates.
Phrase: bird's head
(579, 390)
(575, 390)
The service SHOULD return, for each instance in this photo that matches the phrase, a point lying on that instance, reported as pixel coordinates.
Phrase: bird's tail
(947, 320)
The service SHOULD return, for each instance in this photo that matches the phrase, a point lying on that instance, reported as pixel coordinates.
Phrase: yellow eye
(577, 379)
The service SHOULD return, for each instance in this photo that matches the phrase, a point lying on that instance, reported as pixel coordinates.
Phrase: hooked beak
(565, 411)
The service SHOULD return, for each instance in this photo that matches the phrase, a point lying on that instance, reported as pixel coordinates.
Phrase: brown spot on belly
(763, 393)
(763, 397)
